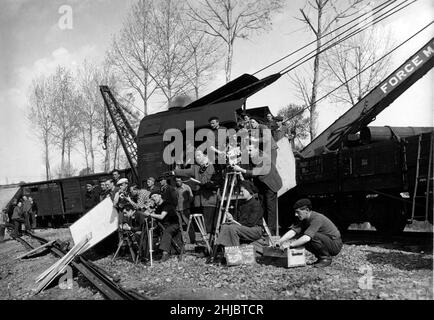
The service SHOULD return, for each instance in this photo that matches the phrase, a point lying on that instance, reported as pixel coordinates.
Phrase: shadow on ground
(408, 262)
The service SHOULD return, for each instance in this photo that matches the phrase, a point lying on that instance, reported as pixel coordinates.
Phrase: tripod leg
(130, 246)
(118, 249)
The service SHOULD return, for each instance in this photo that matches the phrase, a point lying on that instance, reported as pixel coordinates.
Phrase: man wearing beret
(319, 235)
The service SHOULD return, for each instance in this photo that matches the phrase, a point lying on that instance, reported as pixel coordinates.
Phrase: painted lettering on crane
(407, 69)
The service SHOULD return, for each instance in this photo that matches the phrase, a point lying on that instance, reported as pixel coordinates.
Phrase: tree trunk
(107, 159)
(47, 160)
(62, 162)
(85, 149)
(228, 65)
(316, 64)
(91, 151)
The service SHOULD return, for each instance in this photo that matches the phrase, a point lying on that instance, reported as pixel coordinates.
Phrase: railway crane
(357, 173)
(383, 176)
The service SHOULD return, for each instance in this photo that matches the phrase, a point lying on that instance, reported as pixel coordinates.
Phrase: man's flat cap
(278, 119)
(302, 203)
(123, 180)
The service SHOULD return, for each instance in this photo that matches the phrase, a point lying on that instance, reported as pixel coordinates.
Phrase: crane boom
(124, 130)
(365, 111)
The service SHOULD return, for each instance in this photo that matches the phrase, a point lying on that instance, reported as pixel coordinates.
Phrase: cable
(389, 2)
(378, 19)
(368, 67)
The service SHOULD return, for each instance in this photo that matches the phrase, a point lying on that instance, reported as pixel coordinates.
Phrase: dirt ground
(359, 272)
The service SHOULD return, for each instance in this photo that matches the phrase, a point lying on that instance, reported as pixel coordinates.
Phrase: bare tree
(133, 53)
(229, 20)
(40, 116)
(357, 58)
(65, 114)
(174, 54)
(205, 55)
(320, 16)
(295, 119)
(90, 77)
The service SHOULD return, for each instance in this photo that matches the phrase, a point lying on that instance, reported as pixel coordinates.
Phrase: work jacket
(206, 191)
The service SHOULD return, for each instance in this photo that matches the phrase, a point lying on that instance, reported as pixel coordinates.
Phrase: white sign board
(285, 165)
(101, 222)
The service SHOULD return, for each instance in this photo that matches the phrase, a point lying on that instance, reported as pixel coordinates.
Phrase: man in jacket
(27, 206)
(267, 180)
(18, 218)
(207, 182)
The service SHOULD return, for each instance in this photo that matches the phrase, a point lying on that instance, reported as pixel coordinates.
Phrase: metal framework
(125, 132)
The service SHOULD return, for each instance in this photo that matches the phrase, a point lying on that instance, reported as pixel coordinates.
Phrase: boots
(165, 257)
(323, 262)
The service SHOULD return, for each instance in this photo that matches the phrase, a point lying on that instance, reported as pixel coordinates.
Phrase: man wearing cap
(247, 223)
(116, 176)
(319, 235)
(271, 123)
(91, 198)
(218, 135)
(166, 213)
(281, 130)
(150, 184)
(168, 192)
(120, 199)
(262, 134)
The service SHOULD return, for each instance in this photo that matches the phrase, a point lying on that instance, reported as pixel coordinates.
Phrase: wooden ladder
(420, 178)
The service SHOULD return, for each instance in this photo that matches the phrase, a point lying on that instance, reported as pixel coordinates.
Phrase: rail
(97, 276)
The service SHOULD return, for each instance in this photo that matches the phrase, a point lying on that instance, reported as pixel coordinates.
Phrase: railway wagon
(383, 177)
(62, 201)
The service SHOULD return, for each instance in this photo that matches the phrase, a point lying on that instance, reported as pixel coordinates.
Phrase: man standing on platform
(185, 198)
(207, 182)
(267, 180)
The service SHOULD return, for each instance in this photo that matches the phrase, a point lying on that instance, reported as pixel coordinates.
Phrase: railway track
(99, 278)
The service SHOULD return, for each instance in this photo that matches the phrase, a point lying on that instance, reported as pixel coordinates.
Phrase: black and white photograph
(216, 158)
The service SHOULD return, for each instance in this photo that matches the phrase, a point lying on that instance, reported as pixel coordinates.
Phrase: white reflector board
(285, 165)
(101, 222)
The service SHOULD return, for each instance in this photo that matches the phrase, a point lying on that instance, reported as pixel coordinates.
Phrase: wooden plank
(62, 263)
(35, 250)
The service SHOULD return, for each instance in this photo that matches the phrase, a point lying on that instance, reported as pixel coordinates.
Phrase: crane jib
(379, 98)
(408, 68)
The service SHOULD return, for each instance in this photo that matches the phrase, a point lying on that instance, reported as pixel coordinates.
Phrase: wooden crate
(287, 258)
(238, 255)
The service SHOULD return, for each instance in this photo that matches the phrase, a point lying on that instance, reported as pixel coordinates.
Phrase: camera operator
(120, 201)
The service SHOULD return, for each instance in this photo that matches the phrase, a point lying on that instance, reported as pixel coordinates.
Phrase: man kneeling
(248, 222)
(320, 235)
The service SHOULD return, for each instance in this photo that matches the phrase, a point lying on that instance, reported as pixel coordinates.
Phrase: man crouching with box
(318, 234)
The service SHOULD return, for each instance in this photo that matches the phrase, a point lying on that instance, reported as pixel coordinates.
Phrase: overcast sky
(31, 43)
